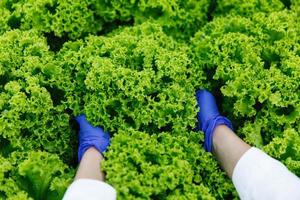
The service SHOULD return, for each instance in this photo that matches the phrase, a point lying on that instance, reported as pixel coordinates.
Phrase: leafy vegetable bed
(133, 68)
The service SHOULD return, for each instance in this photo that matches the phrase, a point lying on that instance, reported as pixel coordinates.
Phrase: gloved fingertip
(201, 93)
(83, 123)
(80, 118)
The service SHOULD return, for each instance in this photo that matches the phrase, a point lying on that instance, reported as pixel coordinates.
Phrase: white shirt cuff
(90, 189)
(259, 176)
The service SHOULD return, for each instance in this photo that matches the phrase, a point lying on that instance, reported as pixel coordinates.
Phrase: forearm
(228, 148)
(89, 180)
(90, 166)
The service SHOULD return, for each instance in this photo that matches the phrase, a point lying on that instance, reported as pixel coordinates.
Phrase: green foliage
(133, 68)
(164, 166)
(295, 6)
(33, 175)
(286, 149)
(32, 117)
(73, 18)
(3, 20)
(247, 7)
(77, 18)
(175, 16)
(136, 78)
(32, 111)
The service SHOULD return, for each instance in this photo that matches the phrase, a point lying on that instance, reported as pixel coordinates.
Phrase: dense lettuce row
(134, 78)
(32, 117)
(247, 7)
(133, 67)
(76, 18)
(179, 18)
(33, 175)
(70, 18)
(164, 166)
(31, 104)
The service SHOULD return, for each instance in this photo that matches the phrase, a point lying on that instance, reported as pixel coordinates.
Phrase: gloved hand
(90, 136)
(209, 117)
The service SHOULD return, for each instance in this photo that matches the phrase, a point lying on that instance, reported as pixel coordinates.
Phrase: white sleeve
(260, 177)
(83, 189)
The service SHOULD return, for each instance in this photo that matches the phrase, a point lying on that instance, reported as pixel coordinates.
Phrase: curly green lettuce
(164, 166)
(32, 115)
(136, 77)
(179, 18)
(286, 149)
(73, 19)
(247, 7)
(33, 175)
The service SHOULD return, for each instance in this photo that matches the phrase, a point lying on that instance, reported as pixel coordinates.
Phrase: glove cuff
(84, 147)
(209, 130)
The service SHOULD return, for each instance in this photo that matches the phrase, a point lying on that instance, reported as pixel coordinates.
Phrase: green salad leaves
(133, 68)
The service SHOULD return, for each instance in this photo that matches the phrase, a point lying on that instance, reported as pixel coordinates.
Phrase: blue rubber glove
(90, 136)
(209, 117)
